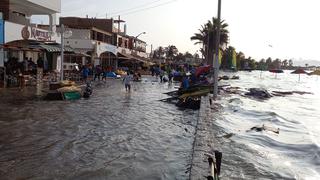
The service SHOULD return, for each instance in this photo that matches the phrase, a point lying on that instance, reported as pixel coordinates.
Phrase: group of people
(16, 69)
(184, 74)
(98, 72)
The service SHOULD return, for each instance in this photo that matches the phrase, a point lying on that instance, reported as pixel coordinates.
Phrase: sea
(294, 152)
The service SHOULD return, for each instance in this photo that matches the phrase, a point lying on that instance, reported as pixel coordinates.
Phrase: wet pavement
(112, 135)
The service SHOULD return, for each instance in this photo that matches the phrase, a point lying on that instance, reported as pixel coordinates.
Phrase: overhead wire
(147, 8)
(133, 8)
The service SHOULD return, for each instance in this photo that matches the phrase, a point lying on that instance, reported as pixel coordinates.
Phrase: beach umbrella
(276, 71)
(299, 71)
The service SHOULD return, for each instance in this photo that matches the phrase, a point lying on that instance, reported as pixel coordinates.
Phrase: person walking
(127, 81)
(97, 72)
(85, 73)
(161, 75)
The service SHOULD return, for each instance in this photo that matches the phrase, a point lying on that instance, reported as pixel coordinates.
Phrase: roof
(77, 22)
(55, 48)
(134, 58)
(36, 46)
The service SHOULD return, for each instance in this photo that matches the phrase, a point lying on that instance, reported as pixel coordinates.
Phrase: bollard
(214, 166)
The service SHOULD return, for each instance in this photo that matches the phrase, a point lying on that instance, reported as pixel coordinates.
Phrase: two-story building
(21, 40)
(106, 45)
(93, 38)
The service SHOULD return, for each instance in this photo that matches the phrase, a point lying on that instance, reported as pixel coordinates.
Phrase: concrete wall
(18, 19)
(80, 34)
(80, 43)
(12, 31)
(54, 5)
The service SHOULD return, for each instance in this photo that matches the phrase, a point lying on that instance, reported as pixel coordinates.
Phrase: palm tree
(171, 52)
(207, 37)
(227, 57)
(158, 53)
(290, 63)
(285, 63)
(240, 60)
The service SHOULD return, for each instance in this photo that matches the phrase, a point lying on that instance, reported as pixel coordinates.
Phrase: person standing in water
(127, 81)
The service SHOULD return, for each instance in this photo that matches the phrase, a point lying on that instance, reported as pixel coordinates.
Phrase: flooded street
(120, 135)
(113, 135)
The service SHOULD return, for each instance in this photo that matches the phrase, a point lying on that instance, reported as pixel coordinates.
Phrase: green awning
(55, 48)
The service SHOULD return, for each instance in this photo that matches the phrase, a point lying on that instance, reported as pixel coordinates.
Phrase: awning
(125, 56)
(55, 48)
(16, 48)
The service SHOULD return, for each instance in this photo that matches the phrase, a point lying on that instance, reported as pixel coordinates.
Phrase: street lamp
(64, 34)
(135, 39)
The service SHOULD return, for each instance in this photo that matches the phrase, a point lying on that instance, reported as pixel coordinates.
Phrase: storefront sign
(25, 33)
(1, 31)
(39, 34)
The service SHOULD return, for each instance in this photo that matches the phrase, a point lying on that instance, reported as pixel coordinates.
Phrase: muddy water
(113, 135)
(294, 153)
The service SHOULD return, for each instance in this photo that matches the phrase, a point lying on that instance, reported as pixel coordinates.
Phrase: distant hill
(304, 62)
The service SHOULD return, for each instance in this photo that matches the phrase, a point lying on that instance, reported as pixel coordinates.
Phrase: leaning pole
(216, 54)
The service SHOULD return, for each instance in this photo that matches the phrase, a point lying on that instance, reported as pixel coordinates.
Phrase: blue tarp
(1, 31)
(111, 74)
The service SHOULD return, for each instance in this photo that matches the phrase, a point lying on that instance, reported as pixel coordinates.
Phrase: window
(120, 42)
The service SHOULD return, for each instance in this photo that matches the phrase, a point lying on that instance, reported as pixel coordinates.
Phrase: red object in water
(202, 70)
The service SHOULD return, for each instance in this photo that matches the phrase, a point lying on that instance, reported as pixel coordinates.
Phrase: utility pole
(117, 61)
(216, 59)
(117, 39)
(62, 51)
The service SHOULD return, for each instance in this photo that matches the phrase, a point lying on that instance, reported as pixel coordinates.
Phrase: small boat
(55, 95)
(202, 92)
(66, 90)
(73, 95)
(276, 70)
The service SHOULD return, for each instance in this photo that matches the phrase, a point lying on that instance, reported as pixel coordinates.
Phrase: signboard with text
(40, 35)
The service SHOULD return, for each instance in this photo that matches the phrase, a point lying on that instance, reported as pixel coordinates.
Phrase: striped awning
(55, 48)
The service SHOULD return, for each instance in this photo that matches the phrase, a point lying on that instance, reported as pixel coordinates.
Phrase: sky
(285, 29)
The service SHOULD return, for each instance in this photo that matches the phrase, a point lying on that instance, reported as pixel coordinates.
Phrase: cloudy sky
(291, 27)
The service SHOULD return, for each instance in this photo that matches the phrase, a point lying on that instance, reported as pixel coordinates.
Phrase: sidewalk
(204, 143)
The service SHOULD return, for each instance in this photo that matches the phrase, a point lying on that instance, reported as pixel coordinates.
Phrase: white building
(17, 15)
(19, 39)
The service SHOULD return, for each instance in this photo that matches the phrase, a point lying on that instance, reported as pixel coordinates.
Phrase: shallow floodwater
(119, 135)
(113, 135)
(294, 153)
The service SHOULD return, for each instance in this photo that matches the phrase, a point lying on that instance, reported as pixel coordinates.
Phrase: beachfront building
(106, 45)
(22, 43)
(92, 38)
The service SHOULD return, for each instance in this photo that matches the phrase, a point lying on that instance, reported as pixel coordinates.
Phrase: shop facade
(21, 50)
